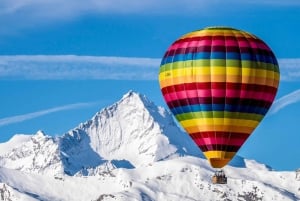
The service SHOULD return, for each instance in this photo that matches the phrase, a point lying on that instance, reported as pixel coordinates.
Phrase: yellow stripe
(219, 159)
(219, 114)
(218, 78)
(216, 70)
(214, 32)
(218, 62)
(218, 121)
(218, 154)
(219, 128)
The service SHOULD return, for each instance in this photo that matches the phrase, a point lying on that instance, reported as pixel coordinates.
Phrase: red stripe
(241, 42)
(219, 100)
(218, 85)
(217, 147)
(197, 49)
(236, 39)
(214, 134)
(220, 141)
(219, 93)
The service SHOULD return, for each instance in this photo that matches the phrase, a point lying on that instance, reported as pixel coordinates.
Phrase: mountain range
(132, 150)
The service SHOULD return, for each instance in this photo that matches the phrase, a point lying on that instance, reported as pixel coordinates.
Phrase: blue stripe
(218, 107)
(219, 55)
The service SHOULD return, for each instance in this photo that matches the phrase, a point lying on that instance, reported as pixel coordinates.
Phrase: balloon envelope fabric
(219, 82)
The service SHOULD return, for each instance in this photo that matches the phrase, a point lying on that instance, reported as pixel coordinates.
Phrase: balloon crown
(220, 27)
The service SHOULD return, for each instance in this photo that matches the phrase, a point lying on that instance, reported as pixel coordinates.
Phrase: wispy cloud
(271, 2)
(24, 14)
(24, 117)
(78, 67)
(37, 10)
(72, 67)
(289, 72)
(284, 101)
(289, 69)
(74, 7)
(44, 67)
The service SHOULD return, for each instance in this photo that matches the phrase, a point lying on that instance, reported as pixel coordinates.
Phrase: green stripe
(218, 62)
(211, 114)
(222, 28)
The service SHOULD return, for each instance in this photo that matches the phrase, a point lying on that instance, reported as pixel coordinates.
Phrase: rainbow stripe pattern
(219, 82)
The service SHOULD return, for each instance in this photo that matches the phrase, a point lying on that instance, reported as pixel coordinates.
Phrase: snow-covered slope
(131, 133)
(36, 153)
(185, 178)
(131, 150)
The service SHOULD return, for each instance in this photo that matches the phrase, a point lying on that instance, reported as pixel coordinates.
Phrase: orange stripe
(219, 128)
(235, 33)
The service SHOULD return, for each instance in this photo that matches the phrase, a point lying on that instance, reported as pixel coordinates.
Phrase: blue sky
(61, 61)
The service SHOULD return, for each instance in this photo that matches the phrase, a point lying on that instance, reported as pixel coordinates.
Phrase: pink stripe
(202, 93)
(191, 44)
(191, 93)
(218, 42)
(253, 45)
(197, 44)
(257, 95)
(232, 43)
(263, 46)
(183, 94)
(208, 141)
(228, 42)
(218, 92)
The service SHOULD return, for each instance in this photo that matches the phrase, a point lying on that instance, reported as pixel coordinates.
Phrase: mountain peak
(40, 136)
(133, 130)
(131, 98)
(137, 98)
(40, 133)
(130, 93)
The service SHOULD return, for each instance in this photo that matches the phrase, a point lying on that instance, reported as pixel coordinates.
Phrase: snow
(38, 153)
(134, 130)
(254, 164)
(14, 142)
(131, 150)
(183, 178)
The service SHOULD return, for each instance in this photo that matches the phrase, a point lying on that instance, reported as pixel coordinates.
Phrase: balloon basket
(219, 177)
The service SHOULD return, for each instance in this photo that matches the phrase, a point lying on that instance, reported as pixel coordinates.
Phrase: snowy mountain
(37, 154)
(131, 150)
(131, 133)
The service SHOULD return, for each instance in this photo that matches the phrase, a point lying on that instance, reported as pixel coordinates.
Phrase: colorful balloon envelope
(219, 82)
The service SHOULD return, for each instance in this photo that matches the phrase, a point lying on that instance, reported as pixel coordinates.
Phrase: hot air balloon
(219, 82)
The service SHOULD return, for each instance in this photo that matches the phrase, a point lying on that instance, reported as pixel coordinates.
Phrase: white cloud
(72, 67)
(78, 67)
(66, 7)
(24, 117)
(270, 2)
(43, 67)
(62, 9)
(289, 72)
(284, 101)
(289, 69)
(24, 14)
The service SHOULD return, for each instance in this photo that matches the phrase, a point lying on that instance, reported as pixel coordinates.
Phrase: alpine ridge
(130, 133)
